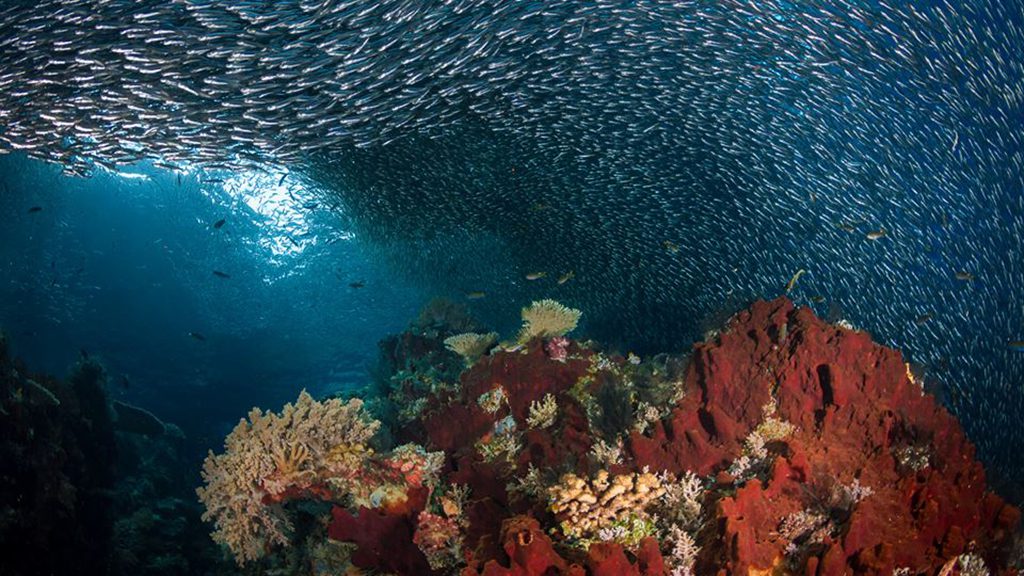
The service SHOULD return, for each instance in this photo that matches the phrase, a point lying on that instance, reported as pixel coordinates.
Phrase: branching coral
(682, 503)
(629, 530)
(471, 345)
(972, 565)
(682, 552)
(311, 449)
(588, 510)
(606, 453)
(543, 413)
(503, 443)
(808, 528)
(440, 540)
(270, 453)
(755, 446)
(547, 319)
(492, 400)
(802, 529)
(531, 484)
(646, 416)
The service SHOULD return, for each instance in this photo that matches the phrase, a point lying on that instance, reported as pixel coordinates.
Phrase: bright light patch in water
(280, 203)
(277, 203)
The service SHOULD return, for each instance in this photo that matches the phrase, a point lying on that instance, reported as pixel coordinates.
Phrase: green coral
(629, 531)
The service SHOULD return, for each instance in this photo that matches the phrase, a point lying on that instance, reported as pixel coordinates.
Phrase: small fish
(672, 247)
(792, 281)
(923, 318)
(197, 336)
(847, 227)
(124, 382)
(817, 299)
(476, 295)
(35, 209)
(566, 277)
(281, 181)
(358, 284)
(964, 276)
(220, 274)
(877, 234)
(212, 181)
(219, 223)
(1016, 345)
(536, 275)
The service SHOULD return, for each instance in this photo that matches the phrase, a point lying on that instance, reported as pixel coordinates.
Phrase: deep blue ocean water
(121, 267)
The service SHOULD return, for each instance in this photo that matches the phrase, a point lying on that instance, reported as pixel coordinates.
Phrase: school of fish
(655, 163)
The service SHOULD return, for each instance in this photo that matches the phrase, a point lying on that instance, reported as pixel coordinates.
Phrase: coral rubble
(784, 445)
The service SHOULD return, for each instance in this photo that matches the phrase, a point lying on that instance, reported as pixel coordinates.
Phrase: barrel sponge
(268, 456)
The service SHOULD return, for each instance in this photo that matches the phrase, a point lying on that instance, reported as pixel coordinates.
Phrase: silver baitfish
(680, 157)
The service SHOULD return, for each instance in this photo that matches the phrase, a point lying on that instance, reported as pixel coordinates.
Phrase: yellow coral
(471, 345)
(547, 319)
(269, 453)
(584, 507)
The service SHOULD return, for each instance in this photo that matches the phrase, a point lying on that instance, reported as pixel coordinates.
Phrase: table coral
(547, 319)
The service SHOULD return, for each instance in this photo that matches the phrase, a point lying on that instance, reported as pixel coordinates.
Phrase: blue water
(680, 161)
(121, 266)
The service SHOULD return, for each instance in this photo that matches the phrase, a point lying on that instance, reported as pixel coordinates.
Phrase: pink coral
(439, 539)
(557, 348)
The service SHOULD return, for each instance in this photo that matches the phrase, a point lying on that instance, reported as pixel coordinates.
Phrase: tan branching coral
(547, 319)
(268, 454)
(543, 413)
(590, 510)
(471, 345)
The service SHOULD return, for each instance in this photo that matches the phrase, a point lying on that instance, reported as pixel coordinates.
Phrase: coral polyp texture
(783, 445)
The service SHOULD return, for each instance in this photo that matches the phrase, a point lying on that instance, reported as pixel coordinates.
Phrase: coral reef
(606, 508)
(470, 345)
(311, 446)
(547, 319)
(783, 445)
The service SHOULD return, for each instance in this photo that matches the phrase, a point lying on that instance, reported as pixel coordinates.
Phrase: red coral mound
(876, 476)
(818, 454)
(524, 377)
(529, 551)
(384, 540)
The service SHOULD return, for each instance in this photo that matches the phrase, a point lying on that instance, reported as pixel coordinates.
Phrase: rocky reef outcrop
(56, 471)
(90, 486)
(781, 445)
